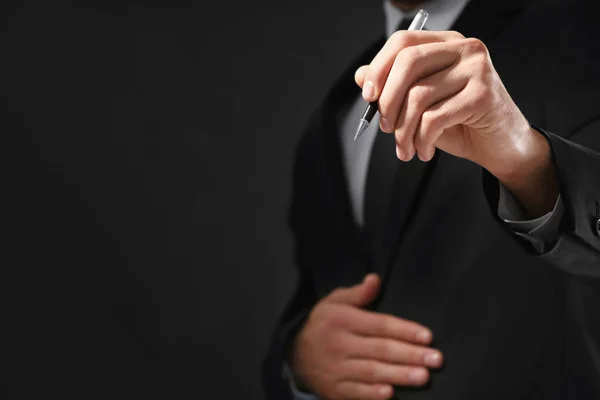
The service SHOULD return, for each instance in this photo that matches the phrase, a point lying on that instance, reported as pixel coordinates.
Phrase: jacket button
(598, 227)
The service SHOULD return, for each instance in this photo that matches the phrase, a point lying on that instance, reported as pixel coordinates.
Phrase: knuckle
(400, 38)
(481, 62)
(418, 95)
(408, 57)
(372, 372)
(485, 69)
(429, 120)
(474, 45)
(487, 72)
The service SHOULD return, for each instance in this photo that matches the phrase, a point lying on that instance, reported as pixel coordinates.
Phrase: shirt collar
(442, 14)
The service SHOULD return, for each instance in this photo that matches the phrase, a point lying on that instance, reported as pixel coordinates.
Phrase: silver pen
(417, 24)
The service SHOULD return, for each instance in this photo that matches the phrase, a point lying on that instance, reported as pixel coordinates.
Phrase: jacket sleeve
(577, 248)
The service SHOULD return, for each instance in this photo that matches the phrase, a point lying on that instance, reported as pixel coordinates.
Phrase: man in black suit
(479, 238)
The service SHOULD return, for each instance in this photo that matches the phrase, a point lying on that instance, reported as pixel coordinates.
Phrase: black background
(148, 150)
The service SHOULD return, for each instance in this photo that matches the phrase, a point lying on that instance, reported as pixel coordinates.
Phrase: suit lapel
(483, 19)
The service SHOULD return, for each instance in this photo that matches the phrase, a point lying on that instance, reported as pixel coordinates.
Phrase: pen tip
(362, 126)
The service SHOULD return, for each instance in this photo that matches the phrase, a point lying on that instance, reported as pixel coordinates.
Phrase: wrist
(524, 157)
(529, 173)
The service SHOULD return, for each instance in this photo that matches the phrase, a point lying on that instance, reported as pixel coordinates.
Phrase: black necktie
(382, 168)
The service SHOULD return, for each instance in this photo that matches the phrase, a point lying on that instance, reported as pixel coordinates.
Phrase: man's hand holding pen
(441, 90)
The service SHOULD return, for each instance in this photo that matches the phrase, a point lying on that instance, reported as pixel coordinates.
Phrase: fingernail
(368, 91)
(417, 375)
(385, 124)
(433, 359)
(424, 337)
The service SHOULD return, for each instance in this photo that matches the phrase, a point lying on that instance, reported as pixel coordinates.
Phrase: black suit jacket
(512, 324)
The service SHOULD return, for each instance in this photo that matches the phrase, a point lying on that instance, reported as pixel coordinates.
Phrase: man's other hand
(346, 352)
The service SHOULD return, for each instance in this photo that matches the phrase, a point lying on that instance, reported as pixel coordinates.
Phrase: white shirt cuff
(298, 394)
(541, 232)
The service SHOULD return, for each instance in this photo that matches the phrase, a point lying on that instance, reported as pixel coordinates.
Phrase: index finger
(379, 69)
(373, 324)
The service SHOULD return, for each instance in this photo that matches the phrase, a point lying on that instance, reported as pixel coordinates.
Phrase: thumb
(359, 75)
(359, 295)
